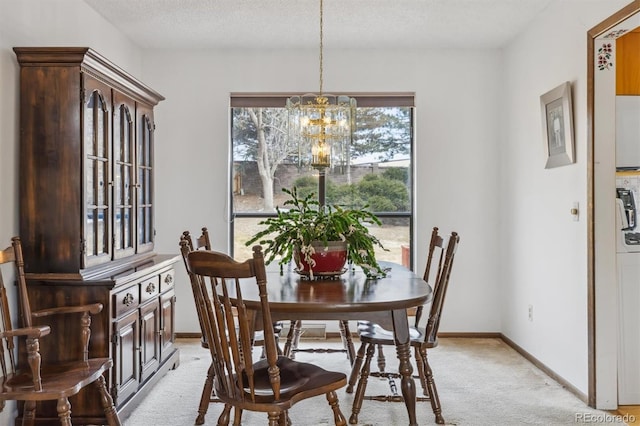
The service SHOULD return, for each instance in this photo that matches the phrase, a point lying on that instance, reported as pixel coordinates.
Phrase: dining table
(349, 296)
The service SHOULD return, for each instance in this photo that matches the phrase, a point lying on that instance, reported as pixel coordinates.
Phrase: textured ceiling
(295, 23)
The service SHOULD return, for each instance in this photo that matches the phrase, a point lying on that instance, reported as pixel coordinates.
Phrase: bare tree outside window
(260, 135)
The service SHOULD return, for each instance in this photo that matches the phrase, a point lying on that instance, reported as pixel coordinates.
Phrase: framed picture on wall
(557, 126)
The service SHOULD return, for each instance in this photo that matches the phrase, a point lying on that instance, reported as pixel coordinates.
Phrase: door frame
(601, 305)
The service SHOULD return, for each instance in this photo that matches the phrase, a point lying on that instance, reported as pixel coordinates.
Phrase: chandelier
(322, 124)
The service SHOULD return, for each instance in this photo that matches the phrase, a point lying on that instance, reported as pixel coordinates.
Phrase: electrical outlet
(531, 313)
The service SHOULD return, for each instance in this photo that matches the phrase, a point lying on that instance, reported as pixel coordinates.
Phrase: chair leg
(223, 420)
(421, 373)
(64, 411)
(205, 399)
(284, 419)
(274, 418)
(107, 403)
(237, 416)
(347, 342)
(431, 388)
(29, 415)
(287, 346)
(362, 385)
(382, 361)
(338, 417)
(355, 368)
(297, 332)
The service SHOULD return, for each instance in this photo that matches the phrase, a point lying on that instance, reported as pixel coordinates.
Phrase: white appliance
(628, 132)
(628, 265)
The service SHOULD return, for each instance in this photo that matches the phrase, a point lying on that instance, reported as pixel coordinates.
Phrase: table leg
(403, 350)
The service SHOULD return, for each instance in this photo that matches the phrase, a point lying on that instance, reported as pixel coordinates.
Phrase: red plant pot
(329, 260)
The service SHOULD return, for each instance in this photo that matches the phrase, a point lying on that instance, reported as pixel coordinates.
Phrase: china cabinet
(86, 218)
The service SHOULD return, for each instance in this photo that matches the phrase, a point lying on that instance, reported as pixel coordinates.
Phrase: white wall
(42, 23)
(545, 251)
(457, 157)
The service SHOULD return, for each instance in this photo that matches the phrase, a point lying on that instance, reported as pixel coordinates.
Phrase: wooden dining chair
(366, 326)
(187, 245)
(203, 242)
(35, 379)
(272, 384)
(442, 251)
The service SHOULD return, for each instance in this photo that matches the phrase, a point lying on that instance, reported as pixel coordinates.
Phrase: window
(379, 172)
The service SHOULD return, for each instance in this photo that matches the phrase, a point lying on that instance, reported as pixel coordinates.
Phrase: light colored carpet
(480, 381)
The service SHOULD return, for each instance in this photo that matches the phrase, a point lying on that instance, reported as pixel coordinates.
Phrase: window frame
(364, 100)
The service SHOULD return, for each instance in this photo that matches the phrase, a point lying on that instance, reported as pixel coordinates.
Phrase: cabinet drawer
(126, 300)
(149, 288)
(167, 280)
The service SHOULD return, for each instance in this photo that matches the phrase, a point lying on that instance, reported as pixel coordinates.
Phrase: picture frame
(557, 126)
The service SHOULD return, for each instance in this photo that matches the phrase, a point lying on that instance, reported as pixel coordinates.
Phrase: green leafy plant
(303, 221)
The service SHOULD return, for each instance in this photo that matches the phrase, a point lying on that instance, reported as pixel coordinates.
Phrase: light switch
(575, 211)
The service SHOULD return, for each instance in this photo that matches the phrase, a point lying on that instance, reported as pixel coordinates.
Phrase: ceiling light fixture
(322, 124)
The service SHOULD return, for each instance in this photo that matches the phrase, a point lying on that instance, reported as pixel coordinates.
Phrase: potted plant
(305, 230)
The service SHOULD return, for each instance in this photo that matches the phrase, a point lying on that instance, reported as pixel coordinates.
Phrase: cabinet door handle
(151, 288)
(168, 279)
(128, 299)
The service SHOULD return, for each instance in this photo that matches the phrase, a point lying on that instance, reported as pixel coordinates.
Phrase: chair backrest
(216, 282)
(13, 255)
(186, 246)
(444, 250)
(202, 242)
(435, 244)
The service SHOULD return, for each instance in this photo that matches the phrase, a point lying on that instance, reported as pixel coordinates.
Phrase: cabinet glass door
(144, 161)
(96, 124)
(123, 176)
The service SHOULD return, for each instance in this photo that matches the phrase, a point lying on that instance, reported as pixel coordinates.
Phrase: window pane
(378, 174)
(244, 228)
(395, 236)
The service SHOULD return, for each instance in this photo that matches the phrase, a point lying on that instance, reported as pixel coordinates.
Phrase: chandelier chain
(321, 46)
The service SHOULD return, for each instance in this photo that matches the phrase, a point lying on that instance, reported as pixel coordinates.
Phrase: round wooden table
(349, 297)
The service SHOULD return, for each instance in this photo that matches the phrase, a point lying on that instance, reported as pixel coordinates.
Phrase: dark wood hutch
(87, 219)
